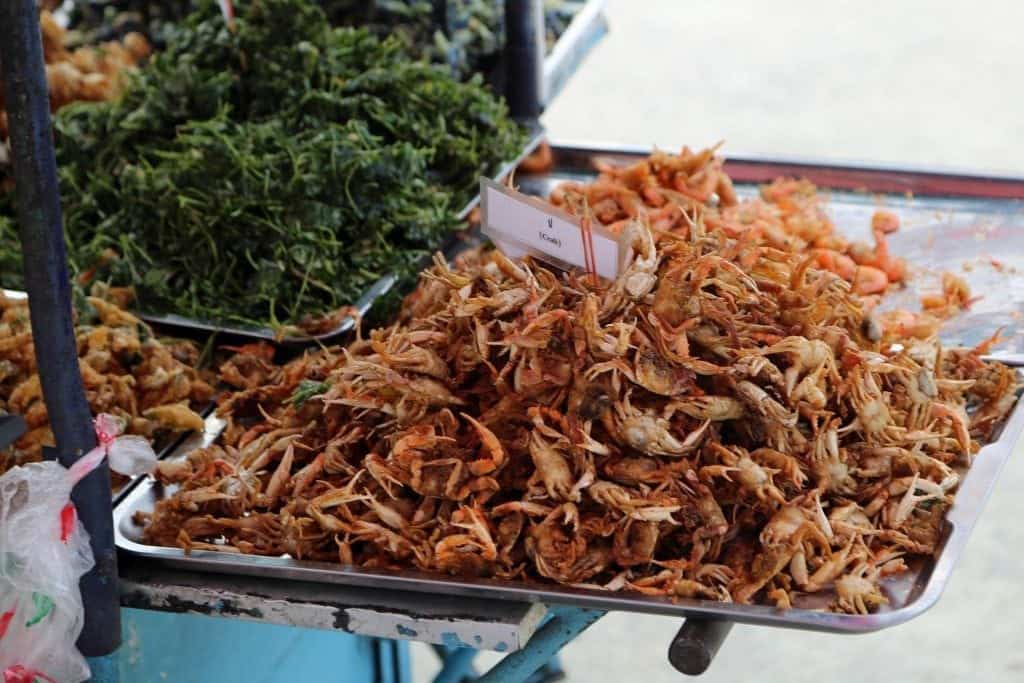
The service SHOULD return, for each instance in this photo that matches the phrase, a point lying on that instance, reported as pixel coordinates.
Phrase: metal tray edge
(173, 445)
(597, 148)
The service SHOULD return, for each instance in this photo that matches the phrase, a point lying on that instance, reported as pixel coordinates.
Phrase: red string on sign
(590, 248)
(588, 245)
(585, 227)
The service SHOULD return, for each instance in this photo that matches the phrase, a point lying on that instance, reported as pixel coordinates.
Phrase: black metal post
(696, 645)
(46, 275)
(524, 58)
(11, 429)
(440, 16)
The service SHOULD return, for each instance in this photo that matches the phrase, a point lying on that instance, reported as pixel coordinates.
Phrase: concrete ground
(913, 82)
(920, 81)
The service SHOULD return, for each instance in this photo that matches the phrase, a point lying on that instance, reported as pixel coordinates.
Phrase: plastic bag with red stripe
(44, 551)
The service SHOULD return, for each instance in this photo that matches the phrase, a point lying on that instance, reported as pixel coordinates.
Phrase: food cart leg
(566, 623)
(457, 664)
(550, 672)
(103, 669)
(696, 645)
(37, 195)
(392, 660)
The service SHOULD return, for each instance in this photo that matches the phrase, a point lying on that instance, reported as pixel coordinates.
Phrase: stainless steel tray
(955, 206)
(910, 594)
(362, 305)
(164, 448)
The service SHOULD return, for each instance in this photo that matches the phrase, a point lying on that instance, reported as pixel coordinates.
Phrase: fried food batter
(129, 373)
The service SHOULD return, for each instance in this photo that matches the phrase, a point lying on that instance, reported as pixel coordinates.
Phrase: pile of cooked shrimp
(152, 385)
(665, 189)
(724, 421)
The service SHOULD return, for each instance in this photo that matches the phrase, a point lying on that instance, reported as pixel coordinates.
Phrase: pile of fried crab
(727, 420)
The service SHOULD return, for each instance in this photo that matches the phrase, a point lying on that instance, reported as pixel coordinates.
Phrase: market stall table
(978, 211)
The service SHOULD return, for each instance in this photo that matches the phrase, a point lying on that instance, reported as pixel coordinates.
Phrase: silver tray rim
(598, 148)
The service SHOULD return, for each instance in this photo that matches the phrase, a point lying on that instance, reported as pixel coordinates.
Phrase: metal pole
(46, 275)
(566, 623)
(696, 645)
(456, 665)
(524, 58)
(11, 429)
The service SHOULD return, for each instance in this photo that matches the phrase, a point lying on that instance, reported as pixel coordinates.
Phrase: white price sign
(521, 225)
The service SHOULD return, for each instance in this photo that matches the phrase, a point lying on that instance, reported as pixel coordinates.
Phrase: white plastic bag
(44, 551)
(129, 455)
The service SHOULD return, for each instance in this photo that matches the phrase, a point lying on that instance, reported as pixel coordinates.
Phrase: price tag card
(521, 225)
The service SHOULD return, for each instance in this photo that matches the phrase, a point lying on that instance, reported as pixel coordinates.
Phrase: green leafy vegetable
(306, 390)
(467, 36)
(272, 173)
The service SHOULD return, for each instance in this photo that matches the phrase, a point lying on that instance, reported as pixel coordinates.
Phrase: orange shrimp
(894, 267)
(907, 324)
(870, 280)
(837, 263)
(885, 222)
(540, 161)
(261, 350)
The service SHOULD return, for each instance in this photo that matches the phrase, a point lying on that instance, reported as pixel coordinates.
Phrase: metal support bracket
(565, 624)
(464, 622)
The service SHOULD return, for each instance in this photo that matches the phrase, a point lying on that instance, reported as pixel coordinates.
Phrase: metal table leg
(566, 623)
(44, 259)
(103, 669)
(550, 672)
(457, 664)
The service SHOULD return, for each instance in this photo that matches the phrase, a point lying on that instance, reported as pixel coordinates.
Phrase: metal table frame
(531, 633)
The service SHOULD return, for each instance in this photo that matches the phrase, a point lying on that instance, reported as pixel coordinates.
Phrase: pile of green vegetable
(463, 35)
(270, 172)
(466, 36)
